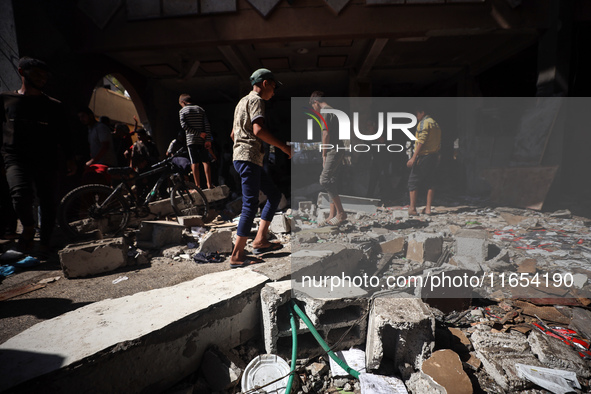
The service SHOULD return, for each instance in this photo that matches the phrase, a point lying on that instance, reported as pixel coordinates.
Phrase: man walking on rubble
(331, 162)
(248, 133)
(423, 163)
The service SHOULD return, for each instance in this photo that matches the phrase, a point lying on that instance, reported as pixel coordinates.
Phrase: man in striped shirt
(198, 134)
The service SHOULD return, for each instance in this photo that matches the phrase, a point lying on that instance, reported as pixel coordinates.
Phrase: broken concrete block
(331, 318)
(91, 258)
(216, 241)
(280, 224)
(399, 214)
(422, 383)
(217, 193)
(394, 246)
(381, 384)
(424, 247)
(556, 354)
(445, 368)
(275, 297)
(472, 243)
(401, 330)
(499, 352)
(191, 221)
(221, 369)
(157, 233)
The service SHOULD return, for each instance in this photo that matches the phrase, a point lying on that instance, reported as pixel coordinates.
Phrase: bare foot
(412, 212)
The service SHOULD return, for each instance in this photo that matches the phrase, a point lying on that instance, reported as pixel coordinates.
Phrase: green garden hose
(294, 350)
(308, 323)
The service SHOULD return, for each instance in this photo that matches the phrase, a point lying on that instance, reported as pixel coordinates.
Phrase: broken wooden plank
(8, 294)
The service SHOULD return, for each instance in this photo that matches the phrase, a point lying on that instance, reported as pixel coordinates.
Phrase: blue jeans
(254, 178)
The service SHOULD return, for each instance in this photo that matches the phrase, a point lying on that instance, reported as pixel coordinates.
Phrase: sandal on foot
(247, 261)
(274, 246)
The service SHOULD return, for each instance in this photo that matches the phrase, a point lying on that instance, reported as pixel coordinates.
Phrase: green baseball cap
(263, 74)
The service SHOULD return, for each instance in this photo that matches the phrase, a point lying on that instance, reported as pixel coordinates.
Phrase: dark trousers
(8, 217)
(253, 179)
(26, 179)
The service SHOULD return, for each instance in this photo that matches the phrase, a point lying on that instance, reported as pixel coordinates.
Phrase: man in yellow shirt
(423, 163)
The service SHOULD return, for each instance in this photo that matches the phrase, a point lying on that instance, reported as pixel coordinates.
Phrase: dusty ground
(64, 295)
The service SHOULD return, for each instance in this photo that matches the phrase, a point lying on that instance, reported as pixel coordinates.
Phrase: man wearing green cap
(248, 133)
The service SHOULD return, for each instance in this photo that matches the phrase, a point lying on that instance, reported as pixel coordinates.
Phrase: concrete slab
(499, 352)
(401, 330)
(141, 343)
(351, 203)
(558, 355)
(91, 258)
(321, 261)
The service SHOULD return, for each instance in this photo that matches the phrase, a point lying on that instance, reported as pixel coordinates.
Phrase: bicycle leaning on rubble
(102, 211)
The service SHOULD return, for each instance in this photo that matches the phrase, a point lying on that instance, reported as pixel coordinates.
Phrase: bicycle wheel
(83, 213)
(188, 200)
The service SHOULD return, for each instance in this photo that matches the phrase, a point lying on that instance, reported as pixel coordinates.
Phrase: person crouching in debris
(248, 133)
(424, 161)
(331, 162)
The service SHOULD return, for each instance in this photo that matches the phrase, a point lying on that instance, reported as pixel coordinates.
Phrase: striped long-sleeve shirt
(194, 122)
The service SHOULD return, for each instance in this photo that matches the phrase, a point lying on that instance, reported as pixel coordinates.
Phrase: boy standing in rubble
(248, 133)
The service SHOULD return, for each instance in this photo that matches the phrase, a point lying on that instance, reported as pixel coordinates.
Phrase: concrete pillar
(9, 78)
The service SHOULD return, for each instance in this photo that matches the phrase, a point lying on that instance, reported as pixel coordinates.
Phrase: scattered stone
(445, 368)
(317, 368)
(216, 241)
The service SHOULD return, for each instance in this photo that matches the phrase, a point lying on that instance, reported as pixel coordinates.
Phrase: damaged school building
(489, 293)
